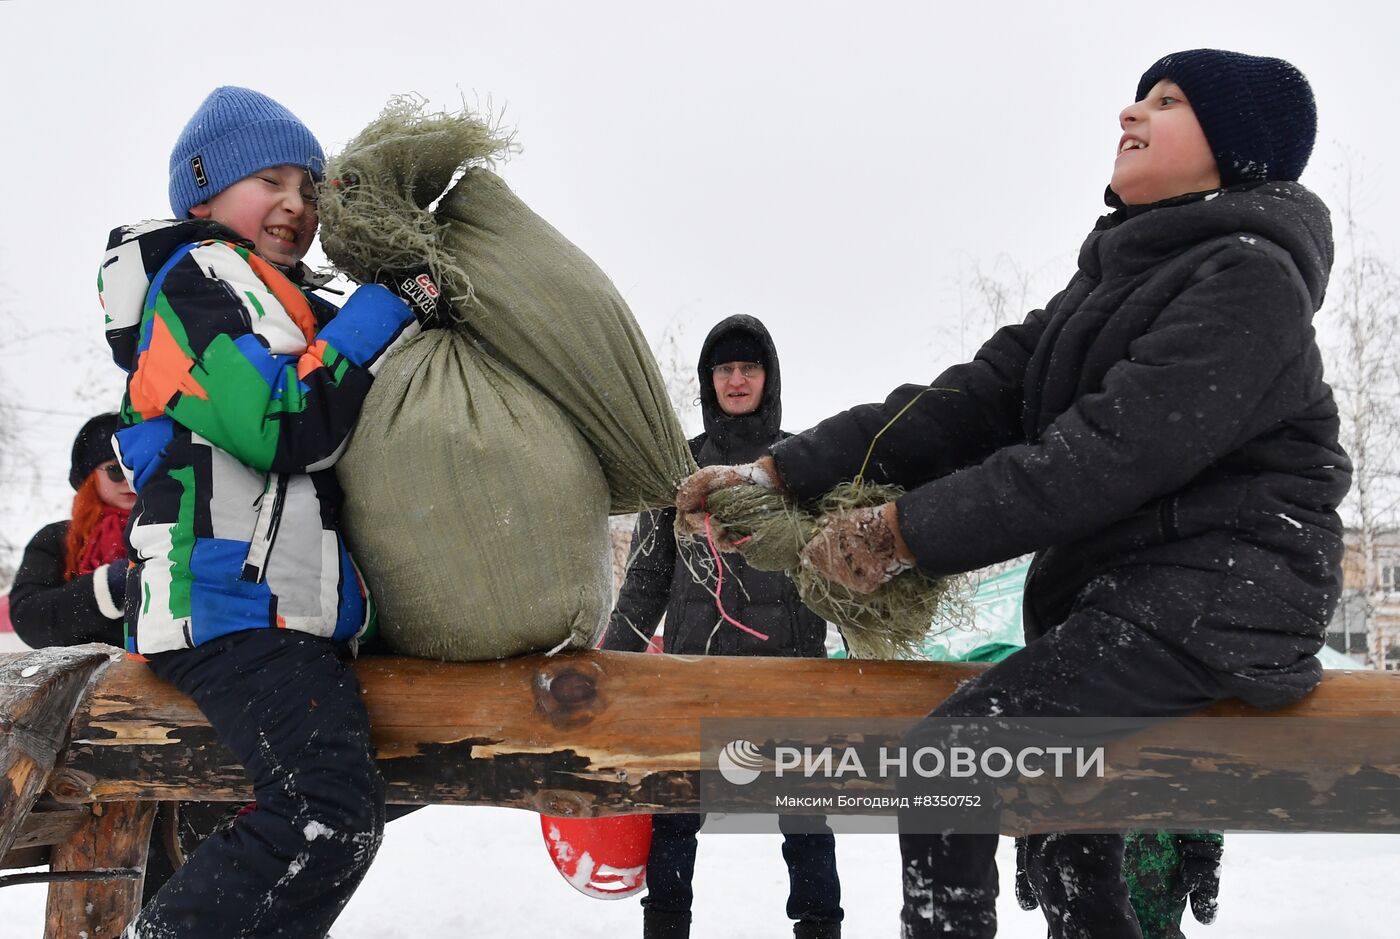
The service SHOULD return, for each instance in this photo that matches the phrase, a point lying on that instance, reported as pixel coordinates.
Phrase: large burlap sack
(477, 512)
(542, 305)
(537, 301)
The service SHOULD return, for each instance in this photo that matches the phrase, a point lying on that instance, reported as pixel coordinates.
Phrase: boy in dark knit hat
(1160, 435)
(242, 391)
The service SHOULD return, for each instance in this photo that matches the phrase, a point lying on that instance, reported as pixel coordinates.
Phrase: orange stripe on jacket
(287, 294)
(162, 372)
(312, 359)
(298, 308)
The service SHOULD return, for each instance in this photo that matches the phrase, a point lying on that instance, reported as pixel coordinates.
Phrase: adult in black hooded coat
(738, 364)
(659, 579)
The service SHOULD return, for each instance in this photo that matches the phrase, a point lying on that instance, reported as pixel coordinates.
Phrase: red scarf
(106, 544)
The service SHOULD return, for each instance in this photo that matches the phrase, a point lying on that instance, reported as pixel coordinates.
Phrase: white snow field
(484, 872)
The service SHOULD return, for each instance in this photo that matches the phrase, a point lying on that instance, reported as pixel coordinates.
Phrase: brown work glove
(860, 549)
(690, 497)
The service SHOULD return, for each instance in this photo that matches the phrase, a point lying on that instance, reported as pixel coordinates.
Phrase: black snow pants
(809, 848)
(1091, 665)
(288, 706)
(178, 829)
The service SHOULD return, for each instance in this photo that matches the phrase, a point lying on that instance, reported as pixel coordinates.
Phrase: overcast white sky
(838, 170)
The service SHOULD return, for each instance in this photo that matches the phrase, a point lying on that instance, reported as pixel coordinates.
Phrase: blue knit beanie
(1258, 114)
(235, 133)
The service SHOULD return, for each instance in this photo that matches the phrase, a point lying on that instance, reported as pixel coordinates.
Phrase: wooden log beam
(590, 733)
(607, 733)
(39, 693)
(48, 826)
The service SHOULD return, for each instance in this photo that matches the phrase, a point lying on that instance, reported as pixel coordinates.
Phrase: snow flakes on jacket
(242, 391)
(1160, 435)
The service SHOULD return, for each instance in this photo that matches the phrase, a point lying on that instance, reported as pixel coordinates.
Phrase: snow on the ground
(484, 872)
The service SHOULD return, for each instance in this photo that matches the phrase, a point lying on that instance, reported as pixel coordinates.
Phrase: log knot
(572, 689)
(566, 692)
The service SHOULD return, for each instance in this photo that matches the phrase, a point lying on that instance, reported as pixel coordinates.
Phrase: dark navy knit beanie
(92, 447)
(236, 132)
(1258, 113)
(737, 346)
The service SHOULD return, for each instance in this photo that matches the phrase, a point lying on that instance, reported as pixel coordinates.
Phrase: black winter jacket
(659, 579)
(46, 610)
(1160, 434)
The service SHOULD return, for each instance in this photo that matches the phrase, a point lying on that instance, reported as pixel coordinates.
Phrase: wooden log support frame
(96, 854)
(578, 735)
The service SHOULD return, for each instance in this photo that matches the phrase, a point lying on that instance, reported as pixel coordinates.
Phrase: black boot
(816, 929)
(662, 924)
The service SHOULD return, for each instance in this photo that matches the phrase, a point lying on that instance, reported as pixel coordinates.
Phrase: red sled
(603, 858)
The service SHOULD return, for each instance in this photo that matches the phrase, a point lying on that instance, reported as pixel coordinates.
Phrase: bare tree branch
(1362, 322)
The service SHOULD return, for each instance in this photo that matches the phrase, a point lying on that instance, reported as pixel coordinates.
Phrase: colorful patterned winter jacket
(242, 391)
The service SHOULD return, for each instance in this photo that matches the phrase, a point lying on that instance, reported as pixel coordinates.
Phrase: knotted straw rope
(890, 622)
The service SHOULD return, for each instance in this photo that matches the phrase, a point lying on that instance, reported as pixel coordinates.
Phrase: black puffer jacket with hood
(1160, 435)
(659, 578)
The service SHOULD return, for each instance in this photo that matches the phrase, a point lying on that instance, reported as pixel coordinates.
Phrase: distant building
(1367, 623)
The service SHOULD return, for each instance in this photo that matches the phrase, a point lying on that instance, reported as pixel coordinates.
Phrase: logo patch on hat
(197, 164)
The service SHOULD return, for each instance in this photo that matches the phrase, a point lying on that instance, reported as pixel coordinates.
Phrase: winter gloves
(415, 287)
(418, 289)
(116, 582)
(1200, 876)
(1196, 878)
(860, 549)
(690, 497)
(109, 589)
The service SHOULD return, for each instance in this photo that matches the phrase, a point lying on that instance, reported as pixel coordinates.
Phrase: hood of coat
(134, 258)
(739, 438)
(1287, 214)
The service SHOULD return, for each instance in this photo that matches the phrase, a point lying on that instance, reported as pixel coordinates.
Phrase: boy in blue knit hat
(243, 387)
(1160, 435)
